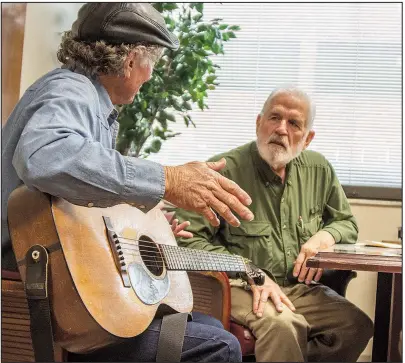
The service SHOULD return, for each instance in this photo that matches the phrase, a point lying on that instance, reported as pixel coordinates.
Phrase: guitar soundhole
(151, 256)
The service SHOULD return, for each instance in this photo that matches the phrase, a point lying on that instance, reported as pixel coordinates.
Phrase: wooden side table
(388, 309)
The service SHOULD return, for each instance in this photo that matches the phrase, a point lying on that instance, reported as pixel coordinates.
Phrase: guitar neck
(188, 259)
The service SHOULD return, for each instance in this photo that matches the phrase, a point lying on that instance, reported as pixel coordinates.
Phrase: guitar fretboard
(188, 259)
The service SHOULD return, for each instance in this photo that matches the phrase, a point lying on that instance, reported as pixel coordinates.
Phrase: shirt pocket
(250, 239)
(308, 226)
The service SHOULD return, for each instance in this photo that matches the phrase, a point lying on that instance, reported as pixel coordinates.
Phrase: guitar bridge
(116, 250)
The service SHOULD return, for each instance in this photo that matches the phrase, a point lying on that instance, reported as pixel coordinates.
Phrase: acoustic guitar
(111, 270)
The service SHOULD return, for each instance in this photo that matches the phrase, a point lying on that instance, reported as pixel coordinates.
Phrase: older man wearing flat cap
(60, 139)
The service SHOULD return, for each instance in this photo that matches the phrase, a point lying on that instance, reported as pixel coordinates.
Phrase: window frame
(373, 193)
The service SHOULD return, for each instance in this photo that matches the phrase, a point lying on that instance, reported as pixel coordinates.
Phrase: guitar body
(91, 305)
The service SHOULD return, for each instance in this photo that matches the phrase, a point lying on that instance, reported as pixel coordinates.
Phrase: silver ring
(263, 300)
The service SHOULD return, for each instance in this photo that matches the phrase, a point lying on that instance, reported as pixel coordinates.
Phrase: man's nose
(282, 127)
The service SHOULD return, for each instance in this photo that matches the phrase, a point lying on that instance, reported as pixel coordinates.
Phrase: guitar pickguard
(148, 289)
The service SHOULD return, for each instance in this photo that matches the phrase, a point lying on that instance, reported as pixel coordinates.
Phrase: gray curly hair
(100, 58)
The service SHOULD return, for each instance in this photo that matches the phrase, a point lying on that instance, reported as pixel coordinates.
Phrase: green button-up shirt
(286, 215)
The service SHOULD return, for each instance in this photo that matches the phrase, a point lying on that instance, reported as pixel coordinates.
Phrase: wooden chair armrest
(212, 295)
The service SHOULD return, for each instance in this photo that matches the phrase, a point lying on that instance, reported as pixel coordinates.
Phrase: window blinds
(346, 55)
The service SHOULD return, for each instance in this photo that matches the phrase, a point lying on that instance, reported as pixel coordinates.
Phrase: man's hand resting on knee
(318, 241)
(269, 290)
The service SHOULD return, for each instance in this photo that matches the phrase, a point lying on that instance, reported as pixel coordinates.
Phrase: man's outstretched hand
(198, 186)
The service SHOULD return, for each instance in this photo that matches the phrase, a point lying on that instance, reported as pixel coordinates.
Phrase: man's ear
(129, 64)
(309, 138)
(258, 118)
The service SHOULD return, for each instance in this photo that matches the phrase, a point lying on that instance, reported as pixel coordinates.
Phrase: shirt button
(90, 205)
(288, 253)
(284, 226)
(282, 199)
(142, 206)
(267, 184)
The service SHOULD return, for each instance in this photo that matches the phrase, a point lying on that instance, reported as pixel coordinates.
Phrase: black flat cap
(128, 23)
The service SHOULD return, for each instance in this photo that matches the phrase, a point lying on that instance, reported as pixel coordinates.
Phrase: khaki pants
(325, 326)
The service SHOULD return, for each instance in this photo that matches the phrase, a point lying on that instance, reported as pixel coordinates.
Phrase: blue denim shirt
(60, 139)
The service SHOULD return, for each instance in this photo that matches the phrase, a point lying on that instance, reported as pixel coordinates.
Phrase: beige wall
(378, 220)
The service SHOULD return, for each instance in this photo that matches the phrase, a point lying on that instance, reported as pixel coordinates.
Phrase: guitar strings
(158, 257)
(158, 262)
(174, 248)
(155, 258)
(151, 263)
(192, 267)
(191, 261)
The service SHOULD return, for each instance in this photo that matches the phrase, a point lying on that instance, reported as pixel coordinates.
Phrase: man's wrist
(327, 239)
(168, 172)
(334, 234)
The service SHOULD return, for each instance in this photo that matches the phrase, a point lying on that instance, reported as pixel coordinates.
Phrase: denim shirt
(60, 139)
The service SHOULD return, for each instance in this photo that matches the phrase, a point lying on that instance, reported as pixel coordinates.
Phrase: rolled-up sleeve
(58, 154)
(339, 219)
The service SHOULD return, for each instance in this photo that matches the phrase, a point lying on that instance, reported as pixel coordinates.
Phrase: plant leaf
(180, 82)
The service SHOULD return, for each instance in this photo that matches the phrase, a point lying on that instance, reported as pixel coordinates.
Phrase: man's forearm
(327, 239)
(343, 231)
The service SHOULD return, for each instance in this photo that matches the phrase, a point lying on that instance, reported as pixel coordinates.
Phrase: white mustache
(277, 140)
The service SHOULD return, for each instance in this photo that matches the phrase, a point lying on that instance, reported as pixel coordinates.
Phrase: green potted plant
(181, 80)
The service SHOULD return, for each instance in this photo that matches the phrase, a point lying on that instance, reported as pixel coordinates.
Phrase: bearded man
(300, 208)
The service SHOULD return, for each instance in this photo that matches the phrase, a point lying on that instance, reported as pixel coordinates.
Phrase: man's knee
(235, 352)
(362, 324)
(356, 323)
(228, 346)
(207, 343)
(206, 319)
(286, 324)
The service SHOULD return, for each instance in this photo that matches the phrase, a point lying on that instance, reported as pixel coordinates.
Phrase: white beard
(276, 156)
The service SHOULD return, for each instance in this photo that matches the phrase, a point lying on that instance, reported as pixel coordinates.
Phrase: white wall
(43, 27)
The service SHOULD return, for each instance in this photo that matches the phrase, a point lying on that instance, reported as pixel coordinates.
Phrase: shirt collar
(266, 173)
(107, 108)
